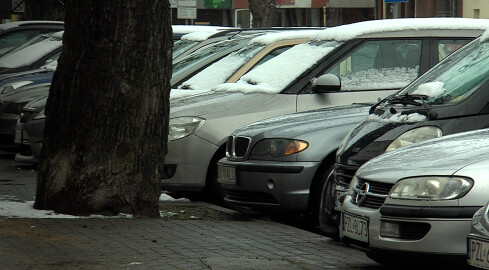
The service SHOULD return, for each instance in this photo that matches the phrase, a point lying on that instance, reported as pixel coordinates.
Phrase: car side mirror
(327, 83)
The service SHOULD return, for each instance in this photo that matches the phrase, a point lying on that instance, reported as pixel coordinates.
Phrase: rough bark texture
(52, 10)
(107, 112)
(264, 12)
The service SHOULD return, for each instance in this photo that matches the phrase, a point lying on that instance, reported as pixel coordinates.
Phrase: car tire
(213, 191)
(328, 218)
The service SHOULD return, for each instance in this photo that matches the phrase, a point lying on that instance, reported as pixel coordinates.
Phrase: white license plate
(355, 227)
(226, 174)
(478, 253)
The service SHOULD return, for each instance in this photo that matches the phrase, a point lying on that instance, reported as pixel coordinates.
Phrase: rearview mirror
(327, 83)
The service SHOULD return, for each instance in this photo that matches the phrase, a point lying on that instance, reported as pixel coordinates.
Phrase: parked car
(478, 239)
(10, 108)
(448, 99)
(277, 165)
(373, 59)
(29, 131)
(15, 33)
(33, 56)
(430, 192)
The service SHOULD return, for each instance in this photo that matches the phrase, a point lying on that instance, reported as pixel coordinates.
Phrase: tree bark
(107, 113)
(52, 10)
(264, 12)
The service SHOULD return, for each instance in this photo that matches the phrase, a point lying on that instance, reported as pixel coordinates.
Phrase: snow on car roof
(354, 30)
(285, 35)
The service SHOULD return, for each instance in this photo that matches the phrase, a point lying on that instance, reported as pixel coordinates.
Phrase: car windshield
(455, 78)
(276, 74)
(203, 53)
(220, 71)
(181, 46)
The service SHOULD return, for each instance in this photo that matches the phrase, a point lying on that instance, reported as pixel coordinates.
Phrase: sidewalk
(223, 239)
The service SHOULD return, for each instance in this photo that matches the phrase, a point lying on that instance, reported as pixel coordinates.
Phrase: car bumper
(437, 236)
(187, 160)
(270, 186)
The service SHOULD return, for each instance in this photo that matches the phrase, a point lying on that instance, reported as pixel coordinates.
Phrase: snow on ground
(14, 209)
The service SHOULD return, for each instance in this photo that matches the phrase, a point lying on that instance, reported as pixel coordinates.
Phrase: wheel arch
(315, 188)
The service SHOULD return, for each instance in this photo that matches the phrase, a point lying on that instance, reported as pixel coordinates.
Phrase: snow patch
(398, 118)
(431, 89)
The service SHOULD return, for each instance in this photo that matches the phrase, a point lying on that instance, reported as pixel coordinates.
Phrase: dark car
(15, 33)
(452, 97)
(11, 106)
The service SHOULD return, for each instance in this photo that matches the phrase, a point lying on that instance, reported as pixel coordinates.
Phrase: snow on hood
(449, 153)
(398, 118)
(431, 89)
(285, 35)
(354, 30)
(277, 73)
(30, 54)
(181, 93)
(293, 125)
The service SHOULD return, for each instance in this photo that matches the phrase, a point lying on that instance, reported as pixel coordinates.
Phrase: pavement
(220, 240)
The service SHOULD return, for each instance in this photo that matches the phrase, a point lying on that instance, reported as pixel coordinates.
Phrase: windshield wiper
(408, 99)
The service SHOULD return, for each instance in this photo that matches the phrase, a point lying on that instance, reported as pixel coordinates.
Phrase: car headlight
(278, 147)
(431, 188)
(414, 136)
(181, 127)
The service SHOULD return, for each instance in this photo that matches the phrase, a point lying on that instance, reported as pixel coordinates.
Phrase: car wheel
(328, 217)
(213, 190)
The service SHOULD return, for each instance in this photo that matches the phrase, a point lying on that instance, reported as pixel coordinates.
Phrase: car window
(379, 64)
(11, 41)
(448, 46)
(455, 78)
(181, 46)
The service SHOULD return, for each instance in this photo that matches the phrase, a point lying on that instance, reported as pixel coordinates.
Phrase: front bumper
(269, 185)
(190, 157)
(434, 236)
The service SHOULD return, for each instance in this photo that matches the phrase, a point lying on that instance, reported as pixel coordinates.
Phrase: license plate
(355, 227)
(226, 174)
(478, 252)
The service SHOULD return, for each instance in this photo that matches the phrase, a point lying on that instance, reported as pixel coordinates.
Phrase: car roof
(406, 27)
(11, 25)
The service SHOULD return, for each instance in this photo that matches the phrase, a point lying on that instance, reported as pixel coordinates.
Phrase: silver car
(419, 200)
(372, 58)
(478, 240)
(276, 165)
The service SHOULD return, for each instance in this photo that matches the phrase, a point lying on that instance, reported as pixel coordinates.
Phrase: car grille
(375, 196)
(344, 174)
(237, 146)
(246, 196)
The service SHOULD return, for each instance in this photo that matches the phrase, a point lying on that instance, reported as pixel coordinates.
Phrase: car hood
(441, 156)
(217, 103)
(293, 125)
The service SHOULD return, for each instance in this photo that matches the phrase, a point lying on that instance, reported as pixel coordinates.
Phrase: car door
(370, 71)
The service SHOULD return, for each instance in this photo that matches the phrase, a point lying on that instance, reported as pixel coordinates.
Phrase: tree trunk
(107, 112)
(52, 10)
(264, 12)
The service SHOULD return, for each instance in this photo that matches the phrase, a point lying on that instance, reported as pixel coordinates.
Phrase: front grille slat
(253, 197)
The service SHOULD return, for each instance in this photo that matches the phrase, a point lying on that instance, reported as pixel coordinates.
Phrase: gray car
(373, 59)
(478, 240)
(433, 190)
(276, 165)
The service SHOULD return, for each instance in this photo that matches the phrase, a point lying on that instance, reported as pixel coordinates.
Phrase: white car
(419, 200)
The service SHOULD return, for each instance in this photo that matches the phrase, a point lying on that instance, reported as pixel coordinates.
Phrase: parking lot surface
(222, 239)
